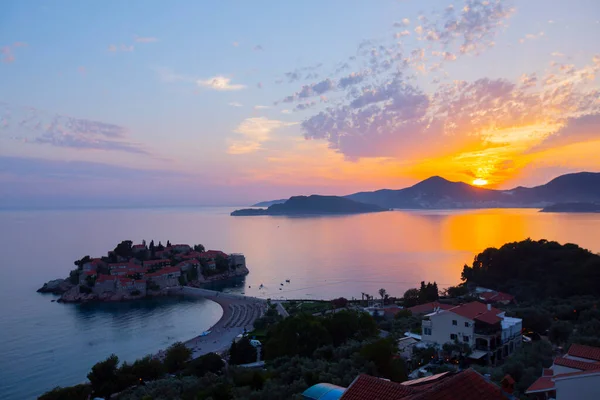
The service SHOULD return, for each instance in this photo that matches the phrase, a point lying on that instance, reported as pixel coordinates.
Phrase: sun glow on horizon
(480, 182)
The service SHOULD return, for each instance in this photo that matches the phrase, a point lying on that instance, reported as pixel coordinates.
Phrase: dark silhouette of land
(313, 205)
(439, 193)
(573, 208)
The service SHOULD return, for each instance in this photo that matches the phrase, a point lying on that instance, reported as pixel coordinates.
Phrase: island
(312, 205)
(572, 208)
(136, 271)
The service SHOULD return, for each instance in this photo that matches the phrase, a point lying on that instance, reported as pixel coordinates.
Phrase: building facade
(486, 330)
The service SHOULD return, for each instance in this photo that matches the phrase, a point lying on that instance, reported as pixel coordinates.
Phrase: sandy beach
(239, 313)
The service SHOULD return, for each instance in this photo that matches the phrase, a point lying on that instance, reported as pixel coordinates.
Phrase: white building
(491, 335)
(574, 376)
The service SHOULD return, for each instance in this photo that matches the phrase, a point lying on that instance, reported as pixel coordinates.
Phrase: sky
(233, 102)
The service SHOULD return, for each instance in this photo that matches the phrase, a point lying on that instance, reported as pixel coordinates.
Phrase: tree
(103, 376)
(152, 249)
(148, 368)
(124, 249)
(199, 248)
(340, 302)
(210, 362)
(176, 357)
(411, 297)
(457, 291)
(160, 246)
(168, 244)
(381, 352)
(242, 352)
(559, 332)
(382, 293)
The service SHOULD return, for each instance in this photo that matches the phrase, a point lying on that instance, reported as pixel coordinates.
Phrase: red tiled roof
(367, 387)
(89, 273)
(464, 385)
(139, 246)
(212, 254)
(547, 372)
(542, 384)
(589, 352)
(496, 296)
(576, 364)
(479, 311)
(429, 307)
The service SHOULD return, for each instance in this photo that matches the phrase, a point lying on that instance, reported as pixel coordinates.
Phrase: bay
(45, 344)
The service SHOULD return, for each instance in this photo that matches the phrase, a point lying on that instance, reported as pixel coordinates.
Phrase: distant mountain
(268, 203)
(439, 193)
(313, 205)
(573, 208)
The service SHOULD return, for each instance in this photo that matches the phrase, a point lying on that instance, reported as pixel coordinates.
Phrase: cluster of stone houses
(133, 275)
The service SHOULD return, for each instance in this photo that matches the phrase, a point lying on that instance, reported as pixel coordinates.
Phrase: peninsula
(136, 271)
(313, 205)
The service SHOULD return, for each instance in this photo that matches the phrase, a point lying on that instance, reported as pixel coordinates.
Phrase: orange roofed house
(491, 335)
(463, 385)
(574, 376)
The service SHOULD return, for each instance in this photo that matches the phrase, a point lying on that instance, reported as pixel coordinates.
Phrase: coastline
(239, 314)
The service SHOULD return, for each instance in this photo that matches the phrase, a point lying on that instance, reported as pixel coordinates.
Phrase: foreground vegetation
(301, 350)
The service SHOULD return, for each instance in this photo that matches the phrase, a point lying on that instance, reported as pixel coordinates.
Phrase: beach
(239, 314)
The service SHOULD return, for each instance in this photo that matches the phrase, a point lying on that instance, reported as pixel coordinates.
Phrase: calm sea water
(44, 344)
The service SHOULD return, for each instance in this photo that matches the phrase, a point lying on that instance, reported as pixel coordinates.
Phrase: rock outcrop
(56, 286)
(240, 271)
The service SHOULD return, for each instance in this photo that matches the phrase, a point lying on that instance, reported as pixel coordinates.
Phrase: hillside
(269, 203)
(536, 270)
(439, 193)
(312, 205)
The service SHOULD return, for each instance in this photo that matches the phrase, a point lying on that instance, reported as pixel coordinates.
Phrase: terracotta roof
(478, 311)
(464, 385)
(367, 387)
(589, 352)
(542, 384)
(496, 296)
(547, 372)
(576, 364)
(89, 273)
(429, 307)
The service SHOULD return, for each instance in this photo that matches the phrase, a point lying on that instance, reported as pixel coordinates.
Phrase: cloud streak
(252, 133)
(33, 126)
(219, 83)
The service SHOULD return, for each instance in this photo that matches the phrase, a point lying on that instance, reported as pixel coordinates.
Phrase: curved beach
(239, 314)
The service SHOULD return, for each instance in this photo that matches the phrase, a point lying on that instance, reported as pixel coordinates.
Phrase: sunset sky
(222, 102)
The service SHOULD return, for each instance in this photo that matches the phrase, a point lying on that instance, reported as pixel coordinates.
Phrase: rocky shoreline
(70, 293)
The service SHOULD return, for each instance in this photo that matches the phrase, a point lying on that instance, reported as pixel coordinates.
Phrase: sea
(44, 344)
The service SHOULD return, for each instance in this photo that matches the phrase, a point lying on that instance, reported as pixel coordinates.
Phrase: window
(427, 331)
(466, 339)
(454, 322)
(453, 336)
(467, 325)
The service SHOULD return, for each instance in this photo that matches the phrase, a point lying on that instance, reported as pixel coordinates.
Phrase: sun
(480, 182)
